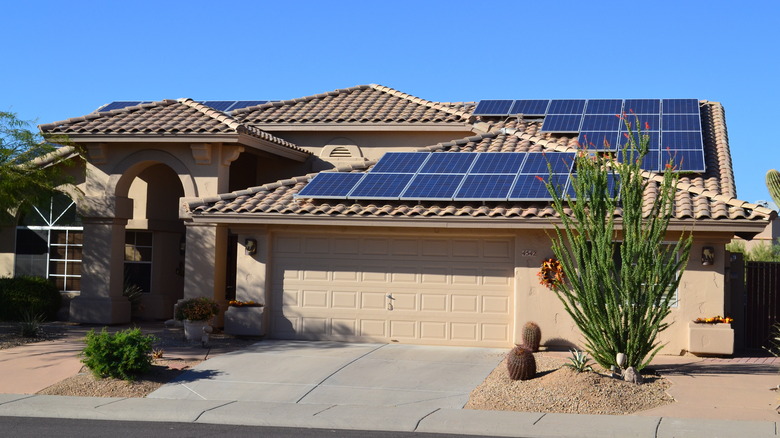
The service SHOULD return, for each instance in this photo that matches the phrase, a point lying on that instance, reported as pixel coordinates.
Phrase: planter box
(244, 321)
(716, 339)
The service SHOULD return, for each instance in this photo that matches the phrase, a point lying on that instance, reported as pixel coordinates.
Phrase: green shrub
(28, 295)
(123, 355)
(30, 325)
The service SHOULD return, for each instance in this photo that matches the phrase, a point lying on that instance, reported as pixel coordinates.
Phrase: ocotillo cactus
(521, 364)
(773, 184)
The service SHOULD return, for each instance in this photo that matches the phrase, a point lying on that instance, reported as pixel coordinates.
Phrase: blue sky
(64, 59)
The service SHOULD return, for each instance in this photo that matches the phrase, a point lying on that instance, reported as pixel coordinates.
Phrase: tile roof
(361, 104)
(162, 118)
(706, 196)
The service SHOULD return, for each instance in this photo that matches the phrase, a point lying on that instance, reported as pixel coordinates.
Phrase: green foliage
(579, 361)
(23, 182)
(31, 325)
(122, 355)
(761, 252)
(134, 294)
(531, 335)
(521, 364)
(28, 295)
(618, 295)
(773, 184)
(197, 309)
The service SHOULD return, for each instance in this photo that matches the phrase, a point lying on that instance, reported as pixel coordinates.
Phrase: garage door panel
(444, 291)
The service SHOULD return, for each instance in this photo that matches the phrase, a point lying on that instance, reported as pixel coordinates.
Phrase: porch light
(707, 255)
(250, 245)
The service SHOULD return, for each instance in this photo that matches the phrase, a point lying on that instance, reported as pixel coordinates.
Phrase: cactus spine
(520, 364)
(773, 184)
(531, 336)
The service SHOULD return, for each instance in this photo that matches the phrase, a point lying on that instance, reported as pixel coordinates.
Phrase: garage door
(439, 291)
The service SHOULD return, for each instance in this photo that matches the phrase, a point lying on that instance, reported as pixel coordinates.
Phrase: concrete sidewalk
(384, 418)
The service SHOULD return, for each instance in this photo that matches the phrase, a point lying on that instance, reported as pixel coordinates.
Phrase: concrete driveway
(339, 374)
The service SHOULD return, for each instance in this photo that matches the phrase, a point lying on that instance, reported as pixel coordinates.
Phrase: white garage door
(440, 291)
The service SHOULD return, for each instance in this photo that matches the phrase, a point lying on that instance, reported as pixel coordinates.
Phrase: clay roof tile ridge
(424, 102)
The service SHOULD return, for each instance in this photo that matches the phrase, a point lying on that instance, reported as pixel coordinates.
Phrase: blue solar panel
(681, 140)
(530, 107)
(685, 160)
(246, 104)
(537, 162)
(400, 162)
(449, 162)
(433, 187)
(688, 122)
(498, 162)
(533, 187)
(381, 186)
(599, 140)
(330, 185)
(647, 122)
(604, 106)
(485, 188)
(219, 105)
(601, 123)
(566, 106)
(561, 123)
(493, 107)
(680, 106)
(121, 104)
(654, 142)
(642, 106)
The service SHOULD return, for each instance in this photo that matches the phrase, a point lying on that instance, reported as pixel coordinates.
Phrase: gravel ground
(559, 389)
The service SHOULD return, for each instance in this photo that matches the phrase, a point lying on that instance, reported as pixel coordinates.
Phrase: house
(184, 199)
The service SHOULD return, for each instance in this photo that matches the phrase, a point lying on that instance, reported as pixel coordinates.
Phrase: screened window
(138, 259)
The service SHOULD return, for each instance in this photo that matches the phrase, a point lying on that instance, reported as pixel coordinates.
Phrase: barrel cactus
(773, 184)
(531, 336)
(521, 364)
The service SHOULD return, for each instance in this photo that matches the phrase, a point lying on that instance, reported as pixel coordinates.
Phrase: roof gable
(363, 104)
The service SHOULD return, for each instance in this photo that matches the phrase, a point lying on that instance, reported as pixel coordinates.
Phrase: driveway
(339, 374)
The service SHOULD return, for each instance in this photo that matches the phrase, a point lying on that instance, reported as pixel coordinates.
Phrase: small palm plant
(579, 361)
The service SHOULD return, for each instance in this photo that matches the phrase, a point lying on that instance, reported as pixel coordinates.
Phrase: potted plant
(196, 314)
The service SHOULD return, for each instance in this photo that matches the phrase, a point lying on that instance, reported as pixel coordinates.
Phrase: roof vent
(340, 152)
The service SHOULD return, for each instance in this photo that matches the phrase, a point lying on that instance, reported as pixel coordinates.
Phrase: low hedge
(28, 295)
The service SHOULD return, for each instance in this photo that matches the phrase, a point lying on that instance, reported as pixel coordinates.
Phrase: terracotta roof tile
(360, 104)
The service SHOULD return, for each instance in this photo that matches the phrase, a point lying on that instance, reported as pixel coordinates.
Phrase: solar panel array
(219, 105)
(462, 176)
(673, 125)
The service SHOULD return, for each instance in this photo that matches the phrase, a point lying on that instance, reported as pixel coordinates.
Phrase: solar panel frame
(381, 186)
(493, 107)
(449, 162)
(401, 162)
(530, 107)
(330, 185)
(485, 187)
(433, 186)
(566, 106)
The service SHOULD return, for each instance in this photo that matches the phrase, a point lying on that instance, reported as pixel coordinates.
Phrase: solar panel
(642, 106)
(599, 140)
(601, 123)
(537, 162)
(246, 104)
(680, 106)
(219, 105)
(653, 142)
(498, 162)
(400, 162)
(685, 160)
(686, 122)
(604, 106)
(330, 185)
(533, 187)
(493, 187)
(433, 187)
(530, 107)
(381, 186)
(647, 122)
(681, 140)
(449, 162)
(562, 123)
(566, 106)
(121, 104)
(493, 107)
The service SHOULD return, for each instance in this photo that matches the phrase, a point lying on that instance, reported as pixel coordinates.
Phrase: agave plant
(579, 361)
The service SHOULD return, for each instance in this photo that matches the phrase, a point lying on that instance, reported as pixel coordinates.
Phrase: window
(49, 241)
(138, 259)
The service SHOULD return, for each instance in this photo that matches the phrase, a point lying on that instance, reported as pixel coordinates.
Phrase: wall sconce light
(707, 255)
(250, 245)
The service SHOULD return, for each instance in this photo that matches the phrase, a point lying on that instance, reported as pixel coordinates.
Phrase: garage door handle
(390, 301)
(390, 297)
